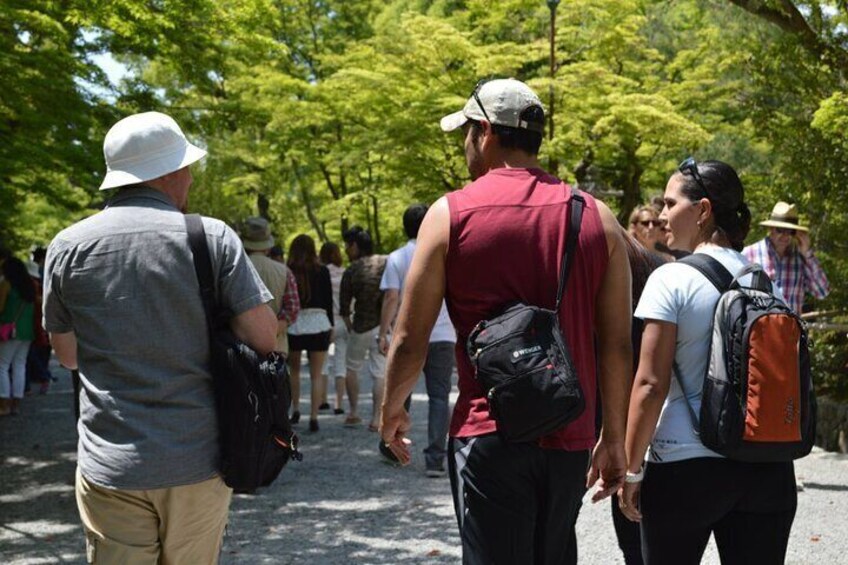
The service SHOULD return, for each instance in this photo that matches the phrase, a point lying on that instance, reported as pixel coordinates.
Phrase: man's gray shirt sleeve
(55, 318)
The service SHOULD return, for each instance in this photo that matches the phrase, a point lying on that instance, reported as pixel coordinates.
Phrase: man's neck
(169, 189)
(513, 159)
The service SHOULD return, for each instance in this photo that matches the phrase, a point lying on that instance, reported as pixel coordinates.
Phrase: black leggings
(627, 533)
(749, 507)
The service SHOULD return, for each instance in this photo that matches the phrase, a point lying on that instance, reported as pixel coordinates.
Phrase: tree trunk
(307, 202)
(375, 205)
(632, 190)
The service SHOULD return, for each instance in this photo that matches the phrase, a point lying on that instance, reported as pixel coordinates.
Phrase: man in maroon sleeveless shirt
(500, 240)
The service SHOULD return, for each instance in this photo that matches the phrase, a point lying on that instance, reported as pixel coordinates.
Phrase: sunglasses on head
(474, 94)
(786, 231)
(690, 167)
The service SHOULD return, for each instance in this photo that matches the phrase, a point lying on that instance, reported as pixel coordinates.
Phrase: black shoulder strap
(576, 219)
(710, 268)
(202, 265)
(77, 384)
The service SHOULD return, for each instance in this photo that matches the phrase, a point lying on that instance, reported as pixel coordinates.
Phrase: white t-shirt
(335, 282)
(681, 295)
(394, 276)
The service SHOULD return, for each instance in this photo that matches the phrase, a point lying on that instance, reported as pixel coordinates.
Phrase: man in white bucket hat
(122, 304)
(786, 254)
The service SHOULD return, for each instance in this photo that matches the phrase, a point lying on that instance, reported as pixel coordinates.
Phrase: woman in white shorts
(331, 257)
(311, 332)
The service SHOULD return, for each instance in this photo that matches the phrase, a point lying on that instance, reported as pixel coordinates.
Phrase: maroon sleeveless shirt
(507, 238)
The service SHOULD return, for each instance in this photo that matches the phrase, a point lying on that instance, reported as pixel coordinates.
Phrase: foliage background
(320, 114)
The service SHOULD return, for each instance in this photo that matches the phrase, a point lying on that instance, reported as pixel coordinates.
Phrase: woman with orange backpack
(686, 492)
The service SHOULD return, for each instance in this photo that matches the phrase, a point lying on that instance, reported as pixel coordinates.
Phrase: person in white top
(438, 367)
(686, 492)
(331, 257)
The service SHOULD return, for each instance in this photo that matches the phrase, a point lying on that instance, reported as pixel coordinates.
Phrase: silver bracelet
(635, 477)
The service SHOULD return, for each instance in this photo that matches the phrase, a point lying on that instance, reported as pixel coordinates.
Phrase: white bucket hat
(498, 102)
(143, 147)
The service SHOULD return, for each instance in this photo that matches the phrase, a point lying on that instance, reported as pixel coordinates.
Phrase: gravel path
(340, 505)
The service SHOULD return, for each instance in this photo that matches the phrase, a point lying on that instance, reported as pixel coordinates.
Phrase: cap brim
(785, 225)
(149, 171)
(453, 121)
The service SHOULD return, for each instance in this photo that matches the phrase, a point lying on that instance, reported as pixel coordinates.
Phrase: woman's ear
(706, 210)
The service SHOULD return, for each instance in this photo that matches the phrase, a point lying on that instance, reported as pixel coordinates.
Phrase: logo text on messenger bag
(521, 353)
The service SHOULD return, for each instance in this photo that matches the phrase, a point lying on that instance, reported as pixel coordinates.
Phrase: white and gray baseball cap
(499, 102)
(143, 147)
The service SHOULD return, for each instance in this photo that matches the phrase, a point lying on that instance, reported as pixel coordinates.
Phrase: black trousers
(749, 507)
(516, 503)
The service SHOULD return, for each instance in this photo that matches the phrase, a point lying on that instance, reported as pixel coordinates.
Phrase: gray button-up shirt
(123, 281)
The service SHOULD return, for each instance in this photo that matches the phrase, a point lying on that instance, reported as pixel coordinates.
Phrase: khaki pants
(164, 526)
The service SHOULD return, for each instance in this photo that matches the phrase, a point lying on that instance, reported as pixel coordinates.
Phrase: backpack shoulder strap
(202, 264)
(711, 269)
(576, 219)
(759, 279)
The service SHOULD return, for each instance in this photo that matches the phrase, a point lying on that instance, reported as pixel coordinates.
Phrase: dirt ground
(341, 504)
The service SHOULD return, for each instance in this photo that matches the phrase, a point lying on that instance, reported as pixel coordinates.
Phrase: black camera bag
(523, 363)
(252, 392)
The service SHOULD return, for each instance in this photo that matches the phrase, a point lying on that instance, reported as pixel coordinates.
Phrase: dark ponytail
(16, 273)
(726, 194)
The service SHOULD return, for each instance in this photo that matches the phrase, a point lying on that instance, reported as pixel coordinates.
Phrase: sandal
(352, 421)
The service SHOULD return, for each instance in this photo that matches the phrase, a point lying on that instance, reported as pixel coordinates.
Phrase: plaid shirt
(793, 275)
(290, 300)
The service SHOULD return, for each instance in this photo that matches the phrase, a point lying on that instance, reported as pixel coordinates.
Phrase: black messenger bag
(252, 393)
(523, 364)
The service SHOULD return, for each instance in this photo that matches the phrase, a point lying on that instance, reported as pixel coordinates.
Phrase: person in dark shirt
(361, 283)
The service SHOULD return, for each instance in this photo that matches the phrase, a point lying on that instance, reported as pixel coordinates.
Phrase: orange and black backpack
(757, 401)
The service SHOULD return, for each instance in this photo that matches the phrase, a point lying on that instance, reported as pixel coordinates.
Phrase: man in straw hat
(122, 303)
(499, 240)
(258, 242)
(787, 257)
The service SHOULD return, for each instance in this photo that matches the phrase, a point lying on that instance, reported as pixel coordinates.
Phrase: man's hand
(393, 428)
(383, 344)
(803, 239)
(628, 501)
(609, 464)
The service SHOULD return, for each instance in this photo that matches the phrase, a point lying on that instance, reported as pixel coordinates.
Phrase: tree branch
(788, 18)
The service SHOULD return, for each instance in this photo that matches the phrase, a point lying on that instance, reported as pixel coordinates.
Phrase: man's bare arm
(256, 327)
(65, 346)
(615, 348)
(615, 359)
(424, 291)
